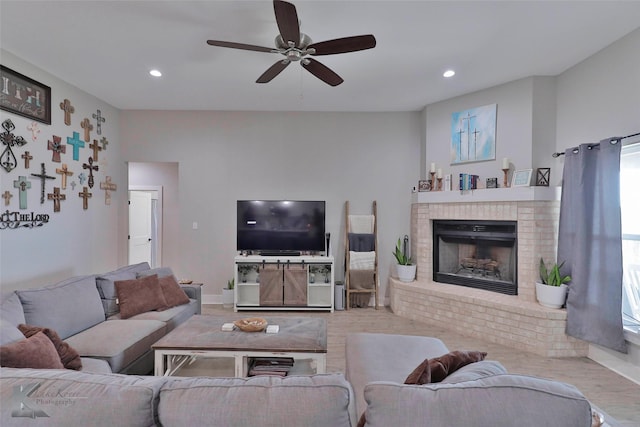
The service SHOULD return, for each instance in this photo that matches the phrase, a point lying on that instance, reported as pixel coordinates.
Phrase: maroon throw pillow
(437, 369)
(35, 352)
(173, 293)
(137, 296)
(68, 355)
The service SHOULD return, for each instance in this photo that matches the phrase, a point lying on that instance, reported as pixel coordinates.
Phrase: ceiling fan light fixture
(449, 73)
(155, 73)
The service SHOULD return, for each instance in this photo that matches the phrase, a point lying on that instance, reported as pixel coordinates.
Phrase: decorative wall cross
(108, 187)
(104, 142)
(91, 169)
(88, 127)
(77, 145)
(35, 130)
(43, 180)
(56, 197)
(73, 185)
(68, 111)
(22, 185)
(57, 148)
(65, 173)
(85, 197)
(7, 159)
(26, 156)
(99, 121)
(7, 197)
(96, 148)
(82, 178)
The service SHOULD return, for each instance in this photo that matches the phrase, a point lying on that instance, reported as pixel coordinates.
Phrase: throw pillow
(437, 369)
(68, 355)
(36, 352)
(139, 296)
(173, 293)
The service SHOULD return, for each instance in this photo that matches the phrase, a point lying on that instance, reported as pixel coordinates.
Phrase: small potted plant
(551, 291)
(244, 270)
(227, 293)
(405, 266)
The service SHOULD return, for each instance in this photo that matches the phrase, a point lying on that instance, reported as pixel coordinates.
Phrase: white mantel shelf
(516, 194)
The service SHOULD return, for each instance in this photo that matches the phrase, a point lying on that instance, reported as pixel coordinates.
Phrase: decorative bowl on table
(251, 324)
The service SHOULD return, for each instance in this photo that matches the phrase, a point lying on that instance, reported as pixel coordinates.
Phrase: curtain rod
(613, 140)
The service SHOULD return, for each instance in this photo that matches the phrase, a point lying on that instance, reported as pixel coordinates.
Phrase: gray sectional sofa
(84, 312)
(480, 394)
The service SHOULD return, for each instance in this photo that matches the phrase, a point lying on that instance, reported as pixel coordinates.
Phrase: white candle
(505, 163)
(439, 175)
(433, 167)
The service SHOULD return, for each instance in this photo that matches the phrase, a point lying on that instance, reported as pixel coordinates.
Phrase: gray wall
(227, 156)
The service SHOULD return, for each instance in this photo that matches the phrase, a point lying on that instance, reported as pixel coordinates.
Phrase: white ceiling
(106, 48)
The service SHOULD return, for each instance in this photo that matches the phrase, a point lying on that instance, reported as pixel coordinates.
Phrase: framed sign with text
(24, 96)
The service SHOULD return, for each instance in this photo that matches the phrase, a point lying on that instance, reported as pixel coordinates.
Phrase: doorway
(145, 225)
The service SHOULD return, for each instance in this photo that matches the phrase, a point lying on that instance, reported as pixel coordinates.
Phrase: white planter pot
(551, 296)
(406, 273)
(227, 298)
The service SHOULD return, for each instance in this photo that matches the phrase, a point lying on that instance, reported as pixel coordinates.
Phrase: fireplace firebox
(476, 254)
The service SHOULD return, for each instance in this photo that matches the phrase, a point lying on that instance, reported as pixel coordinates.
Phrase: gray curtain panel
(590, 243)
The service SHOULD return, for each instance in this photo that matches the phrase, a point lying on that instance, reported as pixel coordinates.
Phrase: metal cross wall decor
(99, 121)
(7, 159)
(43, 179)
(91, 168)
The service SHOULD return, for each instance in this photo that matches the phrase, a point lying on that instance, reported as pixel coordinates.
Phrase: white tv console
(284, 282)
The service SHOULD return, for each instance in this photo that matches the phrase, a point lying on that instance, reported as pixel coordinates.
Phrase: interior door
(139, 227)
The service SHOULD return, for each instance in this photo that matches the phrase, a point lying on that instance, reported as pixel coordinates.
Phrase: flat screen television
(274, 226)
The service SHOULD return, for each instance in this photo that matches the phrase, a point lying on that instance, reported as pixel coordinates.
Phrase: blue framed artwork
(473, 135)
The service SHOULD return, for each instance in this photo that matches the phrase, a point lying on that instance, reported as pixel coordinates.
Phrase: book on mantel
(279, 366)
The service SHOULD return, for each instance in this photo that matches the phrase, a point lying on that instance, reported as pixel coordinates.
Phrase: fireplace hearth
(476, 254)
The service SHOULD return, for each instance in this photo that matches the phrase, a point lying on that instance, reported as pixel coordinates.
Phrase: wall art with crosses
(66, 170)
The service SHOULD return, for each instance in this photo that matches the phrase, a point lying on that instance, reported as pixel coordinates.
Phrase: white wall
(74, 241)
(227, 156)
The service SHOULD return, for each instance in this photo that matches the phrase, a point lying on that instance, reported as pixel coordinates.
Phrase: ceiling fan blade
(322, 72)
(241, 46)
(344, 45)
(273, 71)
(287, 19)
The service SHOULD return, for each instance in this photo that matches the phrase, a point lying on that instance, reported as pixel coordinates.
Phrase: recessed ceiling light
(155, 73)
(449, 73)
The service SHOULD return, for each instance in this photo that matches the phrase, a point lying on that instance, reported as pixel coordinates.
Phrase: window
(630, 207)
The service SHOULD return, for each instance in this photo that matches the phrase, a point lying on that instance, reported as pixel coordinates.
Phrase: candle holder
(506, 178)
(433, 178)
(439, 184)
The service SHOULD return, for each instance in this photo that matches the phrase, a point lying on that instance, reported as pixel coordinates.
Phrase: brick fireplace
(513, 320)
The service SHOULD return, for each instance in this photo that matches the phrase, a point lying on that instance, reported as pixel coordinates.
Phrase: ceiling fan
(297, 47)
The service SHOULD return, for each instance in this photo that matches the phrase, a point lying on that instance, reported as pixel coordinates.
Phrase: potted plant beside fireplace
(405, 266)
(551, 291)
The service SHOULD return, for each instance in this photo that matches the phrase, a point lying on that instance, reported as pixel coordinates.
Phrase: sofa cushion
(139, 296)
(171, 317)
(68, 356)
(495, 401)
(107, 288)
(475, 371)
(68, 307)
(437, 369)
(264, 401)
(96, 366)
(9, 332)
(78, 398)
(159, 271)
(368, 356)
(173, 293)
(11, 308)
(36, 351)
(119, 342)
